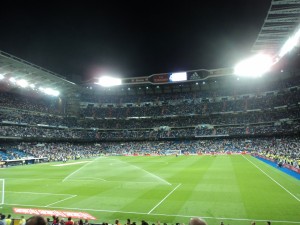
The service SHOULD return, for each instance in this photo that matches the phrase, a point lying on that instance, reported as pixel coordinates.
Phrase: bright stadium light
(12, 79)
(290, 44)
(254, 66)
(1, 76)
(22, 83)
(49, 91)
(107, 81)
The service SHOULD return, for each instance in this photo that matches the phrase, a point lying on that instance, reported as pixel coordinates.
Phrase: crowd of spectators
(265, 113)
(195, 107)
(268, 119)
(287, 149)
(30, 103)
(60, 151)
(40, 132)
(22, 118)
(56, 220)
(37, 132)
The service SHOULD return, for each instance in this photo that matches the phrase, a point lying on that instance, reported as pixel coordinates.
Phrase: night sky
(133, 38)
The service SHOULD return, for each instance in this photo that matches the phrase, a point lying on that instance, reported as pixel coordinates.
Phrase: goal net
(2, 191)
(173, 152)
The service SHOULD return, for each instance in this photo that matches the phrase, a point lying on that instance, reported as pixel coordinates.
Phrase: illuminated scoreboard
(165, 78)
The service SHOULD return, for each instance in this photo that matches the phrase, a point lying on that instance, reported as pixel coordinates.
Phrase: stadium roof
(11, 66)
(281, 22)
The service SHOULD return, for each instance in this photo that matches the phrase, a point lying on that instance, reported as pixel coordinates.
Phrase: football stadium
(219, 144)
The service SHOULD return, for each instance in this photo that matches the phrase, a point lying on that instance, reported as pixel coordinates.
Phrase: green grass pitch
(235, 189)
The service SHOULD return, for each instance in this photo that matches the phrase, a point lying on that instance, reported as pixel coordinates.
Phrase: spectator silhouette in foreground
(2, 219)
(36, 220)
(197, 221)
(22, 221)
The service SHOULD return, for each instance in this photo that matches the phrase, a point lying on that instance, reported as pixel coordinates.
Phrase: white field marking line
(163, 199)
(78, 169)
(151, 174)
(91, 179)
(37, 193)
(55, 179)
(115, 181)
(272, 179)
(282, 174)
(13, 178)
(61, 200)
(160, 214)
(70, 164)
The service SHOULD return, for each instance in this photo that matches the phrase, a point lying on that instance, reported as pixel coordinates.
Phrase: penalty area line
(164, 199)
(151, 174)
(80, 168)
(61, 200)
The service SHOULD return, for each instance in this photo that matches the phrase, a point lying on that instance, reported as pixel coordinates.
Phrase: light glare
(107, 81)
(290, 44)
(49, 91)
(22, 83)
(254, 66)
(12, 79)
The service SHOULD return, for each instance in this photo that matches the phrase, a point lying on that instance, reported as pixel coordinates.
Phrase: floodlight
(290, 44)
(32, 86)
(49, 91)
(254, 66)
(1, 76)
(22, 83)
(107, 81)
(12, 79)
(55, 93)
